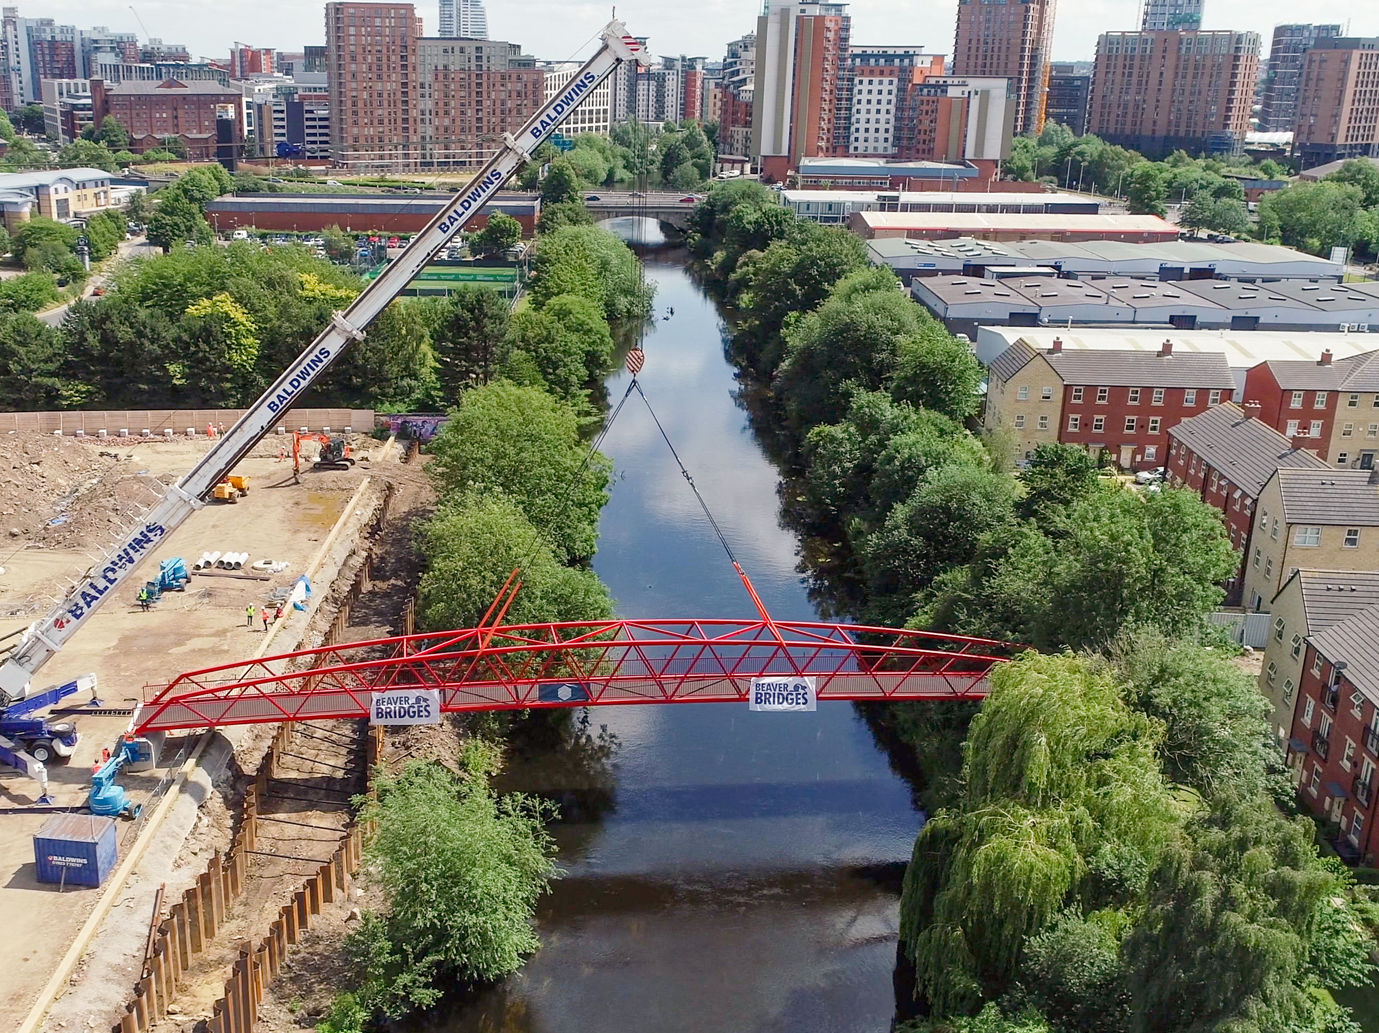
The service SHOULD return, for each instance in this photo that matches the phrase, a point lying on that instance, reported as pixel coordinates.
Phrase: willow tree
(1059, 773)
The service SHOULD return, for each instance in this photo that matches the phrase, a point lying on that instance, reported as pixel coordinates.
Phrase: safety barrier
(118, 422)
(194, 921)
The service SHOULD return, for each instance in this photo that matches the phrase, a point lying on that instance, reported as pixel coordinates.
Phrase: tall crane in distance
(47, 636)
(140, 21)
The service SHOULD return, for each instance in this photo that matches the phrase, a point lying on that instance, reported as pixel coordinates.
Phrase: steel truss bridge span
(580, 664)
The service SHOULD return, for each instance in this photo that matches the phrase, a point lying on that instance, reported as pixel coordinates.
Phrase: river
(737, 871)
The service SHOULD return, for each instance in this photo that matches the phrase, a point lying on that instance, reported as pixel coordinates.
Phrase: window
(1316, 782)
(1287, 688)
(1292, 430)
(1255, 564)
(1158, 398)
(1190, 397)
(1154, 425)
(1296, 401)
(1324, 724)
(1315, 431)
(1278, 628)
(1308, 709)
(1134, 396)
(1268, 566)
(1098, 424)
(1020, 421)
(1347, 429)
(1357, 825)
(1342, 458)
(1297, 646)
(1130, 424)
(1319, 400)
(1317, 664)
(1271, 672)
(1046, 393)
(1307, 536)
(1348, 754)
(1273, 533)
(1372, 431)
(1353, 402)
(1103, 394)
(1022, 392)
(1214, 398)
(1074, 423)
(1236, 504)
(1151, 452)
(1043, 423)
(1215, 480)
(1352, 537)
(1077, 394)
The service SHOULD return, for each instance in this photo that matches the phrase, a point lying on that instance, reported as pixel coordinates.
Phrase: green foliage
(30, 118)
(1362, 173)
(524, 443)
(37, 241)
(991, 1019)
(461, 870)
(31, 359)
(177, 221)
(104, 233)
(686, 157)
(467, 335)
(175, 146)
(1073, 973)
(1224, 215)
(113, 134)
(28, 293)
(7, 132)
(1316, 217)
(498, 235)
(563, 213)
(346, 1015)
(591, 262)
(1057, 477)
(86, 154)
(1146, 187)
(561, 184)
(338, 245)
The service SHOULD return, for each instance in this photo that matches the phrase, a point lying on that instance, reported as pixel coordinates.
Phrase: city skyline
(560, 29)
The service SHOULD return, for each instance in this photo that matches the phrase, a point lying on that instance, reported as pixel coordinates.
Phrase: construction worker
(249, 616)
(278, 613)
(264, 614)
(143, 599)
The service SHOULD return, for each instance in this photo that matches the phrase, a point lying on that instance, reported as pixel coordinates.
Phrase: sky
(559, 29)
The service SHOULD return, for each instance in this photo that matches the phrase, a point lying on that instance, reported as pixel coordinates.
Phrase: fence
(1245, 629)
(133, 422)
(194, 921)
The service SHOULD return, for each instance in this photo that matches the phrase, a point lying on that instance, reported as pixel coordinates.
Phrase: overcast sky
(558, 29)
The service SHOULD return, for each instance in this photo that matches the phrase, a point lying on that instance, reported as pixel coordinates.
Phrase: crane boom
(47, 636)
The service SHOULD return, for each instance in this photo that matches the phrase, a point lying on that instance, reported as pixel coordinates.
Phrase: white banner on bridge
(789, 693)
(406, 707)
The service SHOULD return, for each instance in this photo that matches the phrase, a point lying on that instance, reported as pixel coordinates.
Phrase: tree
(337, 244)
(1146, 189)
(561, 184)
(935, 370)
(113, 134)
(461, 871)
(1362, 173)
(1316, 217)
(1057, 477)
(563, 213)
(469, 338)
(175, 146)
(138, 208)
(30, 118)
(31, 361)
(474, 542)
(22, 154)
(28, 293)
(42, 243)
(523, 442)
(178, 221)
(1074, 974)
(7, 132)
(593, 263)
(501, 233)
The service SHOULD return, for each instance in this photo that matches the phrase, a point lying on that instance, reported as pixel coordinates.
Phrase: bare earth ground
(45, 479)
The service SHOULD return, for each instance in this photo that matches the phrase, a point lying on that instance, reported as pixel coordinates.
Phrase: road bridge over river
(664, 206)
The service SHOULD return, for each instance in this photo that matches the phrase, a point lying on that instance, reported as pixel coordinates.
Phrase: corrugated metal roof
(1356, 641)
(1011, 361)
(961, 221)
(1246, 451)
(1203, 370)
(1332, 596)
(1329, 498)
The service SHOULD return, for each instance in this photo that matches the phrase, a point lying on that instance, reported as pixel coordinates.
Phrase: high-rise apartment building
(1008, 40)
(1338, 102)
(1291, 44)
(691, 72)
(956, 119)
(1069, 93)
(1171, 15)
(1156, 92)
(798, 107)
(246, 62)
(469, 93)
(371, 58)
(465, 19)
(875, 77)
(594, 113)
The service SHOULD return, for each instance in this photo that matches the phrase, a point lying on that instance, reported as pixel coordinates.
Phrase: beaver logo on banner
(406, 707)
(791, 693)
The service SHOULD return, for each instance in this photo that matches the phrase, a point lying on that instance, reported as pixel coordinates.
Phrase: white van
(240, 235)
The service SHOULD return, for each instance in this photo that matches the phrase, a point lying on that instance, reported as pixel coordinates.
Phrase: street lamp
(1068, 175)
(1081, 170)
(1119, 179)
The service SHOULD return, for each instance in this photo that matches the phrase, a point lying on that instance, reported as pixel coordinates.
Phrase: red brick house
(1331, 408)
(1227, 454)
(1335, 738)
(207, 116)
(1117, 404)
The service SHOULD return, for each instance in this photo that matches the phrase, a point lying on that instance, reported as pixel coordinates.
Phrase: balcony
(1363, 791)
(1331, 694)
(1321, 744)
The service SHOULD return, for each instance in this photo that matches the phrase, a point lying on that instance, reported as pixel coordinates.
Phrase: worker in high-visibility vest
(143, 599)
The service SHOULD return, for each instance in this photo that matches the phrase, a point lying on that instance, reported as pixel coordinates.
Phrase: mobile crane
(47, 636)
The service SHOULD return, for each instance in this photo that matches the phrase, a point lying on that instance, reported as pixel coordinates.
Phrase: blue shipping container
(80, 845)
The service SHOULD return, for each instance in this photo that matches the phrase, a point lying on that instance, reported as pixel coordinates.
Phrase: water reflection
(724, 870)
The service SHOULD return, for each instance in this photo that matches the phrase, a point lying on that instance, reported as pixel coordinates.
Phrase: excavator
(46, 637)
(335, 453)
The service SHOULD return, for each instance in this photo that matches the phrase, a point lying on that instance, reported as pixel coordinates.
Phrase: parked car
(593, 197)
(689, 199)
(394, 242)
(1150, 476)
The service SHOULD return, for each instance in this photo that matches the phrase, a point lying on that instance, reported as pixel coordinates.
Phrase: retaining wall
(118, 422)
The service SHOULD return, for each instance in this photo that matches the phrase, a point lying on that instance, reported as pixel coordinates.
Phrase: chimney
(1326, 358)
(1252, 410)
(1057, 347)
(1166, 350)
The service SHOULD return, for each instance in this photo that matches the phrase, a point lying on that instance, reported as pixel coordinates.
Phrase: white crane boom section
(48, 635)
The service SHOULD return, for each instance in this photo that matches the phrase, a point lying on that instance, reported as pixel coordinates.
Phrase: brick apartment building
(207, 117)
(1287, 55)
(1334, 746)
(469, 93)
(371, 56)
(1337, 101)
(1119, 405)
(1156, 92)
(1226, 455)
(1008, 41)
(1330, 407)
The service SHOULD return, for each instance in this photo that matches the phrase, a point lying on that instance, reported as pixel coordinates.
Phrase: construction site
(84, 953)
